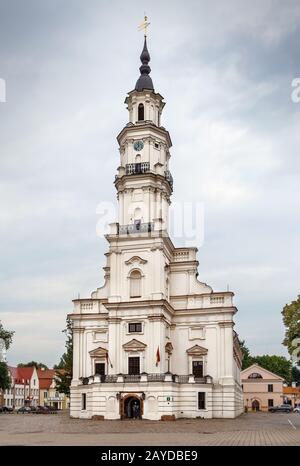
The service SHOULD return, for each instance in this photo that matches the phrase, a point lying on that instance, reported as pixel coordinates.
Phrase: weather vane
(143, 26)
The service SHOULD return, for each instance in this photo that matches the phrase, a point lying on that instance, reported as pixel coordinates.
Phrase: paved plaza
(59, 429)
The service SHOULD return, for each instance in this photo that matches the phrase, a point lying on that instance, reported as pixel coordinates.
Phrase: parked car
(43, 410)
(281, 408)
(297, 409)
(24, 410)
(6, 409)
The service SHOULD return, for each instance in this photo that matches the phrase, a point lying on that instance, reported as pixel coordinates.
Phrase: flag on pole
(157, 356)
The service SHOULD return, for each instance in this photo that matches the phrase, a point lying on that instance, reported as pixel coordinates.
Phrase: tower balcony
(144, 377)
(137, 168)
(136, 227)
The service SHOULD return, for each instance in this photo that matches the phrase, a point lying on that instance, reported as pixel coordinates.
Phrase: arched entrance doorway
(132, 408)
(255, 405)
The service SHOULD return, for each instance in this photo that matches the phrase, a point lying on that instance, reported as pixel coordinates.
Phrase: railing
(132, 377)
(181, 256)
(200, 380)
(156, 377)
(136, 228)
(182, 378)
(217, 300)
(137, 168)
(127, 378)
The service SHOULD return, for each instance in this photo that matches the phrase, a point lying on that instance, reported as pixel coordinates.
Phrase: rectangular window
(135, 327)
(198, 369)
(83, 402)
(270, 403)
(270, 387)
(100, 368)
(133, 365)
(45, 395)
(201, 400)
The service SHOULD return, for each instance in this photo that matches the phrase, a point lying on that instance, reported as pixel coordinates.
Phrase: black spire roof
(144, 81)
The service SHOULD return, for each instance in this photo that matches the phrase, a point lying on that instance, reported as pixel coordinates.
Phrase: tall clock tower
(153, 341)
(144, 151)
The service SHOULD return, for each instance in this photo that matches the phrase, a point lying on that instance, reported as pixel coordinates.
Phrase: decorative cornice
(134, 345)
(98, 352)
(134, 259)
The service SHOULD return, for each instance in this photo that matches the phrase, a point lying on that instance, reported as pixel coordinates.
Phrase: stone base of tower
(156, 401)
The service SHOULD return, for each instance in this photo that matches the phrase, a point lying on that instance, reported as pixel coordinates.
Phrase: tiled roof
(21, 374)
(290, 390)
(45, 378)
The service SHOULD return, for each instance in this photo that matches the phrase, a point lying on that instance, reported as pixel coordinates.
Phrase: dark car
(6, 409)
(24, 410)
(281, 409)
(42, 410)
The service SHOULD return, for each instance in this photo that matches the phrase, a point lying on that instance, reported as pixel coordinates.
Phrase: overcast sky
(225, 70)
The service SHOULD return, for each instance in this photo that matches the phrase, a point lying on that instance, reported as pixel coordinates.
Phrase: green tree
(64, 370)
(4, 377)
(6, 336)
(247, 358)
(37, 365)
(291, 320)
(296, 375)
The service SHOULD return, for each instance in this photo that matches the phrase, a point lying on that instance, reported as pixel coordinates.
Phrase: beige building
(49, 396)
(262, 389)
(291, 395)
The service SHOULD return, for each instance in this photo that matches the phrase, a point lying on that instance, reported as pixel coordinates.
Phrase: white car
(297, 410)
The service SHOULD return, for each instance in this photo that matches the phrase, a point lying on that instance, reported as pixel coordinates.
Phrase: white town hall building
(153, 342)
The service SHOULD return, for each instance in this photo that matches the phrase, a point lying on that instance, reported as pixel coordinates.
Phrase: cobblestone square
(59, 429)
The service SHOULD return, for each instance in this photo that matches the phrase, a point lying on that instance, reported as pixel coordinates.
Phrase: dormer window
(141, 112)
(254, 375)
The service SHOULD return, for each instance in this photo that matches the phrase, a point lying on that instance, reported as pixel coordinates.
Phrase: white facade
(152, 307)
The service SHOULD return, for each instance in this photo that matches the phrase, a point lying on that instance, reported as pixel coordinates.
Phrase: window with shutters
(133, 365)
(135, 327)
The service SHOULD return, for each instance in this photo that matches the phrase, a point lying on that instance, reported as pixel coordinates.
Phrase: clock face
(138, 145)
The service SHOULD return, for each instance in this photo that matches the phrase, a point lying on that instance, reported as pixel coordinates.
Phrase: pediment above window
(135, 260)
(134, 345)
(98, 353)
(196, 350)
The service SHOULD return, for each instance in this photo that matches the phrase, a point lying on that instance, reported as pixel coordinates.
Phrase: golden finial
(143, 26)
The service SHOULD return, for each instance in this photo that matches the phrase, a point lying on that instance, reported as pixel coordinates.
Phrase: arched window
(141, 112)
(135, 284)
(254, 375)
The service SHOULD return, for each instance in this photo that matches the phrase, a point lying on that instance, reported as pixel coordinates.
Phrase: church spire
(144, 81)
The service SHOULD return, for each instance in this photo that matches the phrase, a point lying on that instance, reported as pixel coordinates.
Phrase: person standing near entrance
(135, 410)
